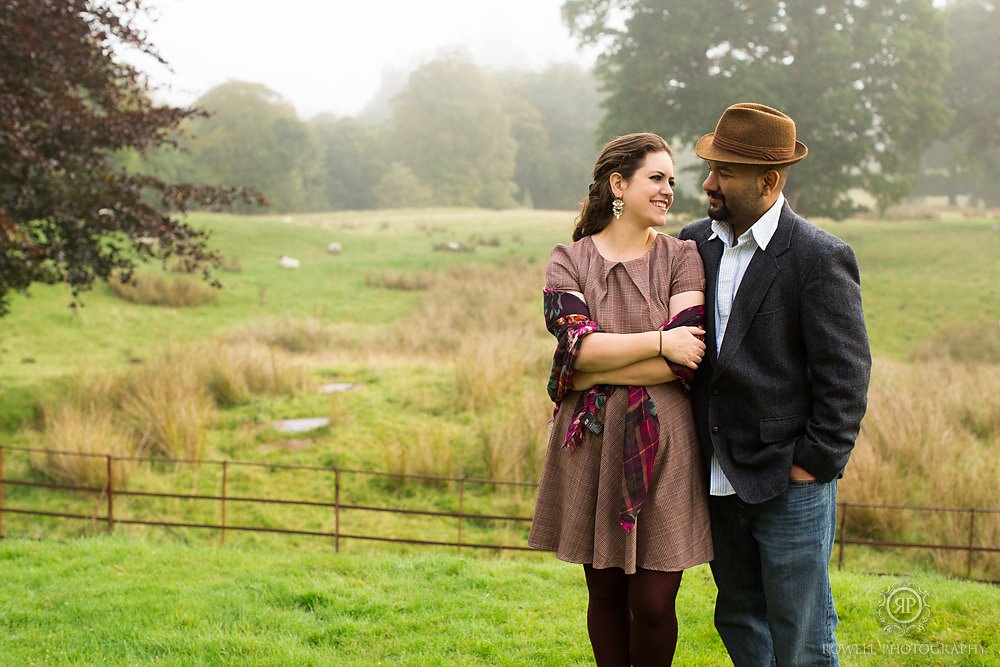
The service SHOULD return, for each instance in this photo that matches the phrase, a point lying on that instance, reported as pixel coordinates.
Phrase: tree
(554, 115)
(452, 131)
(973, 91)
(353, 161)
(861, 79)
(399, 187)
(254, 136)
(67, 105)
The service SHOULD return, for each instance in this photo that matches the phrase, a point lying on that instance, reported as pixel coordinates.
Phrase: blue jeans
(771, 566)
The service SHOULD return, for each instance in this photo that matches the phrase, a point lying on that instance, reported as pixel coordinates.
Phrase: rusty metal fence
(337, 505)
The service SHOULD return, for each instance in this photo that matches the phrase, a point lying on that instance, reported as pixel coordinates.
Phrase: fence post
(225, 475)
(111, 495)
(843, 527)
(1, 493)
(972, 542)
(336, 510)
(461, 511)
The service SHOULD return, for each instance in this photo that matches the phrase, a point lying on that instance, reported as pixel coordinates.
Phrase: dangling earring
(617, 206)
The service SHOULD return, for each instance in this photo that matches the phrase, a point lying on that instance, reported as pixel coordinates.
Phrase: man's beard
(722, 212)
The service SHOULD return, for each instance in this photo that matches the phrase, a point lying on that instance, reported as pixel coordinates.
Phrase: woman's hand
(684, 346)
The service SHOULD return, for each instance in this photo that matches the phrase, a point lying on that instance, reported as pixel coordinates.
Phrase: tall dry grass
(162, 408)
(499, 377)
(235, 371)
(513, 436)
(292, 334)
(464, 303)
(79, 439)
(178, 291)
(167, 408)
(977, 342)
(429, 452)
(929, 438)
(487, 323)
(399, 280)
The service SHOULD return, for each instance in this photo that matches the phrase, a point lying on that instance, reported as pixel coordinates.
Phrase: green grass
(43, 337)
(922, 279)
(918, 276)
(259, 600)
(121, 602)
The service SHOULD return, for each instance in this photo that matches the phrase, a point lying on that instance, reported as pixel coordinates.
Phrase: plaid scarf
(568, 319)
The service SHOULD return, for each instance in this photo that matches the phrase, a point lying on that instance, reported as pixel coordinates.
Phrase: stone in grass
(335, 387)
(301, 425)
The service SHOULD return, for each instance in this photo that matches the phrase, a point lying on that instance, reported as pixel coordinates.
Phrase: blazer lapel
(711, 256)
(761, 272)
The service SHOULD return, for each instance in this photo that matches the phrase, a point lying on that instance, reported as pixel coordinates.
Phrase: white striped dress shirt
(735, 260)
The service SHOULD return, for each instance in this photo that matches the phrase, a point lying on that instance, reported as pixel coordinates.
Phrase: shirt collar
(762, 230)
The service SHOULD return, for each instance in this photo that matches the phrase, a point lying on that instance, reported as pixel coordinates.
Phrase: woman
(618, 300)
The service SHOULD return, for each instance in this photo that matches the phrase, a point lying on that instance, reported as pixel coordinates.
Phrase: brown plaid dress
(580, 493)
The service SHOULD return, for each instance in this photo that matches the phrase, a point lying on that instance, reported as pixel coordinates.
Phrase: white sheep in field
(289, 262)
(333, 248)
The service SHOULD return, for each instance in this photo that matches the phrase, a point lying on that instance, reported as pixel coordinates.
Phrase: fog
(331, 56)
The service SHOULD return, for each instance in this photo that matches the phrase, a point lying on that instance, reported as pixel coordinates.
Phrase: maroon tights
(631, 618)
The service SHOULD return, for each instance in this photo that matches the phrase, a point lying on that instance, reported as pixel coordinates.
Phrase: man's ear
(770, 180)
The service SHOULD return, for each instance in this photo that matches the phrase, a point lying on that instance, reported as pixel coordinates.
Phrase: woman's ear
(617, 184)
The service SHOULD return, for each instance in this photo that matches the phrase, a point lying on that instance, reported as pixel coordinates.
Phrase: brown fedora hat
(752, 134)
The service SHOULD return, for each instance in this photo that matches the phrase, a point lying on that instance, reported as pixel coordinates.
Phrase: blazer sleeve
(839, 362)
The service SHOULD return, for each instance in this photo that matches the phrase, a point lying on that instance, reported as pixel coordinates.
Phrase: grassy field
(447, 358)
(921, 279)
(123, 602)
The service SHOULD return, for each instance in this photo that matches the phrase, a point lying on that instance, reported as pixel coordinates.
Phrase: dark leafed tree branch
(67, 107)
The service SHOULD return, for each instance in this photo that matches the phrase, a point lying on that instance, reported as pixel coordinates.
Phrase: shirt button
(715, 429)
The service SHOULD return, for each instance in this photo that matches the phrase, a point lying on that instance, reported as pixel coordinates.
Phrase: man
(779, 397)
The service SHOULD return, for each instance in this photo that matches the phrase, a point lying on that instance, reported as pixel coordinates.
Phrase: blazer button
(715, 392)
(715, 429)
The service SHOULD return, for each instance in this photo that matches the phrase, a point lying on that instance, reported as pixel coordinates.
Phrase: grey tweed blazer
(790, 382)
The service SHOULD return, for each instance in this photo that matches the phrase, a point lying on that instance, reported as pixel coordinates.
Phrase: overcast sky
(329, 55)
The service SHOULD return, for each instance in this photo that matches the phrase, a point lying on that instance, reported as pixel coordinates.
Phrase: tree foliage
(861, 79)
(973, 91)
(451, 129)
(554, 116)
(353, 161)
(68, 106)
(253, 136)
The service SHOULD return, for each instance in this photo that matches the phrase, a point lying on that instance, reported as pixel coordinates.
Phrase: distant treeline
(449, 134)
(892, 100)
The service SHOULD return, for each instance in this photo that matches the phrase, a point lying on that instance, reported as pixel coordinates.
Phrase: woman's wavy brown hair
(622, 154)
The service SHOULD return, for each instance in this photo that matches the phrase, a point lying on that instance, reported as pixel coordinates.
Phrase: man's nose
(710, 182)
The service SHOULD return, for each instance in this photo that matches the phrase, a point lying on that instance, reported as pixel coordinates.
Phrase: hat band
(761, 153)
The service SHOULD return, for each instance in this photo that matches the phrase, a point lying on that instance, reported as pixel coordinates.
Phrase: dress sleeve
(561, 273)
(687, 271)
